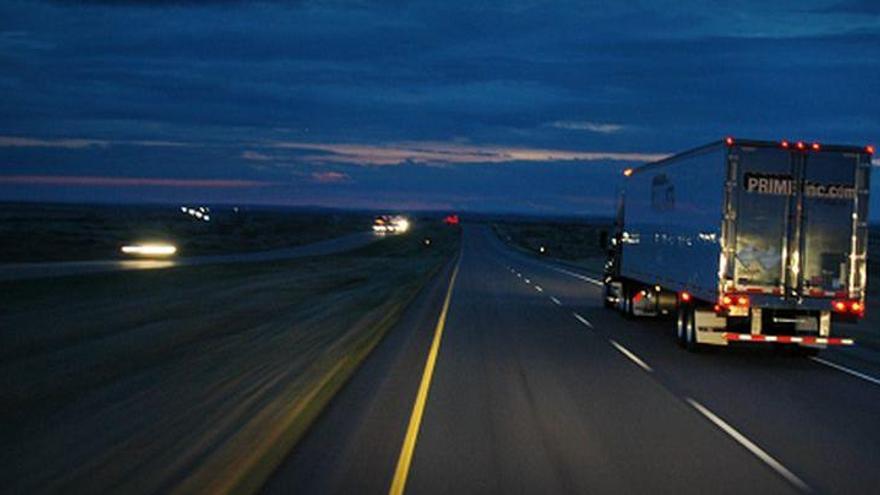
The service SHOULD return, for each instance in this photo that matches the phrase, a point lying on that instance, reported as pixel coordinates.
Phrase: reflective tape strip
(787, 339)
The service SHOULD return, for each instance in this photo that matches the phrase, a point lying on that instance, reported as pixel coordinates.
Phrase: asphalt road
(537, 388)
(20, 271)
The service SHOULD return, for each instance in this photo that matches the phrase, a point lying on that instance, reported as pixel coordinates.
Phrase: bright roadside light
(150, 249)
(387, 224)
(402, 225)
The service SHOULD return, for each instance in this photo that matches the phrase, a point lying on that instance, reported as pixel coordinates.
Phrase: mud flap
(710, 327)
(825, 323)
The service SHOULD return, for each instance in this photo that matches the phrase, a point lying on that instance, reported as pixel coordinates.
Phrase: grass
(193, 379)
(573, 243)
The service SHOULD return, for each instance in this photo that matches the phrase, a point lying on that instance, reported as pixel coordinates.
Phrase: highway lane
(818, 421)
(21, 271)
(537, 388)
(355, 444)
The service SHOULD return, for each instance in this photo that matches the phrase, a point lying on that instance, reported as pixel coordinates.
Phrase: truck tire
(628, 307)
(621, 300)
(690, 334)
(681, 323)
(605, 294)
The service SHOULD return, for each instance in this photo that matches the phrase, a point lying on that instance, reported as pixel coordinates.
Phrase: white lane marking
(555, 301)
(528, 281)
(577, 275)
(518, 274)
(750, 446)
(875, 381)
(626, 352)
(582, 320)
(538, 288)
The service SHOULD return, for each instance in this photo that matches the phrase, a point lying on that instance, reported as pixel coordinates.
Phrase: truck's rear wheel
(628, 306)
(623, 300)
(690, 331)
(681, 323)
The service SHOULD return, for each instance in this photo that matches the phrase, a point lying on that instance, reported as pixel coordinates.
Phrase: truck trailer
(745, 241)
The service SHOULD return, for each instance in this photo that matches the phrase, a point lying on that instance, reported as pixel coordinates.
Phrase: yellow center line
(415, 421)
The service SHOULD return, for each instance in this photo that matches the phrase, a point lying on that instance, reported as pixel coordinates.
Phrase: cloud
(869, 7)
(80, 143)
(73, 181)
(556, 95)
(151, 3)
(440, 153)
(25, 142)
(602, 128)
(256, 156)
(330, 177)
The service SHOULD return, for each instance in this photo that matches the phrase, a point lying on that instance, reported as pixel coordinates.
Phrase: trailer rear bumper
(786, 339)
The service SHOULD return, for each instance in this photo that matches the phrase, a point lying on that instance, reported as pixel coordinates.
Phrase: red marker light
(728, 141)
(685, 296)
(800, 145)
(869, 149)
(815, 146)
(785, 144)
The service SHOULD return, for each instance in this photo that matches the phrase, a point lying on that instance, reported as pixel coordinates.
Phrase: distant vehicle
(390, 224)
(152, 250)
(745, 241)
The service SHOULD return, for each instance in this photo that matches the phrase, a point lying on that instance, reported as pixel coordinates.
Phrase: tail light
(733, 304)
(684, 296)
(852, 307)
(729, 300)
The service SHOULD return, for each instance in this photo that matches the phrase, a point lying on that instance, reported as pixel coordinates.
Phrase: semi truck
(745, 241)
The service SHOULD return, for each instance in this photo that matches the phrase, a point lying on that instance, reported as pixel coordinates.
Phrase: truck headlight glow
(150, 249)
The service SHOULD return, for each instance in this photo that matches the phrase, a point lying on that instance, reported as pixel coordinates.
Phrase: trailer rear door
(799, 224)
(763, 206)
(830, 223)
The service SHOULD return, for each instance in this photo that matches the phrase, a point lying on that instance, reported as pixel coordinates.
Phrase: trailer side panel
(672, 222)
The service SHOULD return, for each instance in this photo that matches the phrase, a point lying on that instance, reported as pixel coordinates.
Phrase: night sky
(520, 106)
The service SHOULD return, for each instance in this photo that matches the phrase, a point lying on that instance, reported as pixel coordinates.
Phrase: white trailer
(745, 241)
